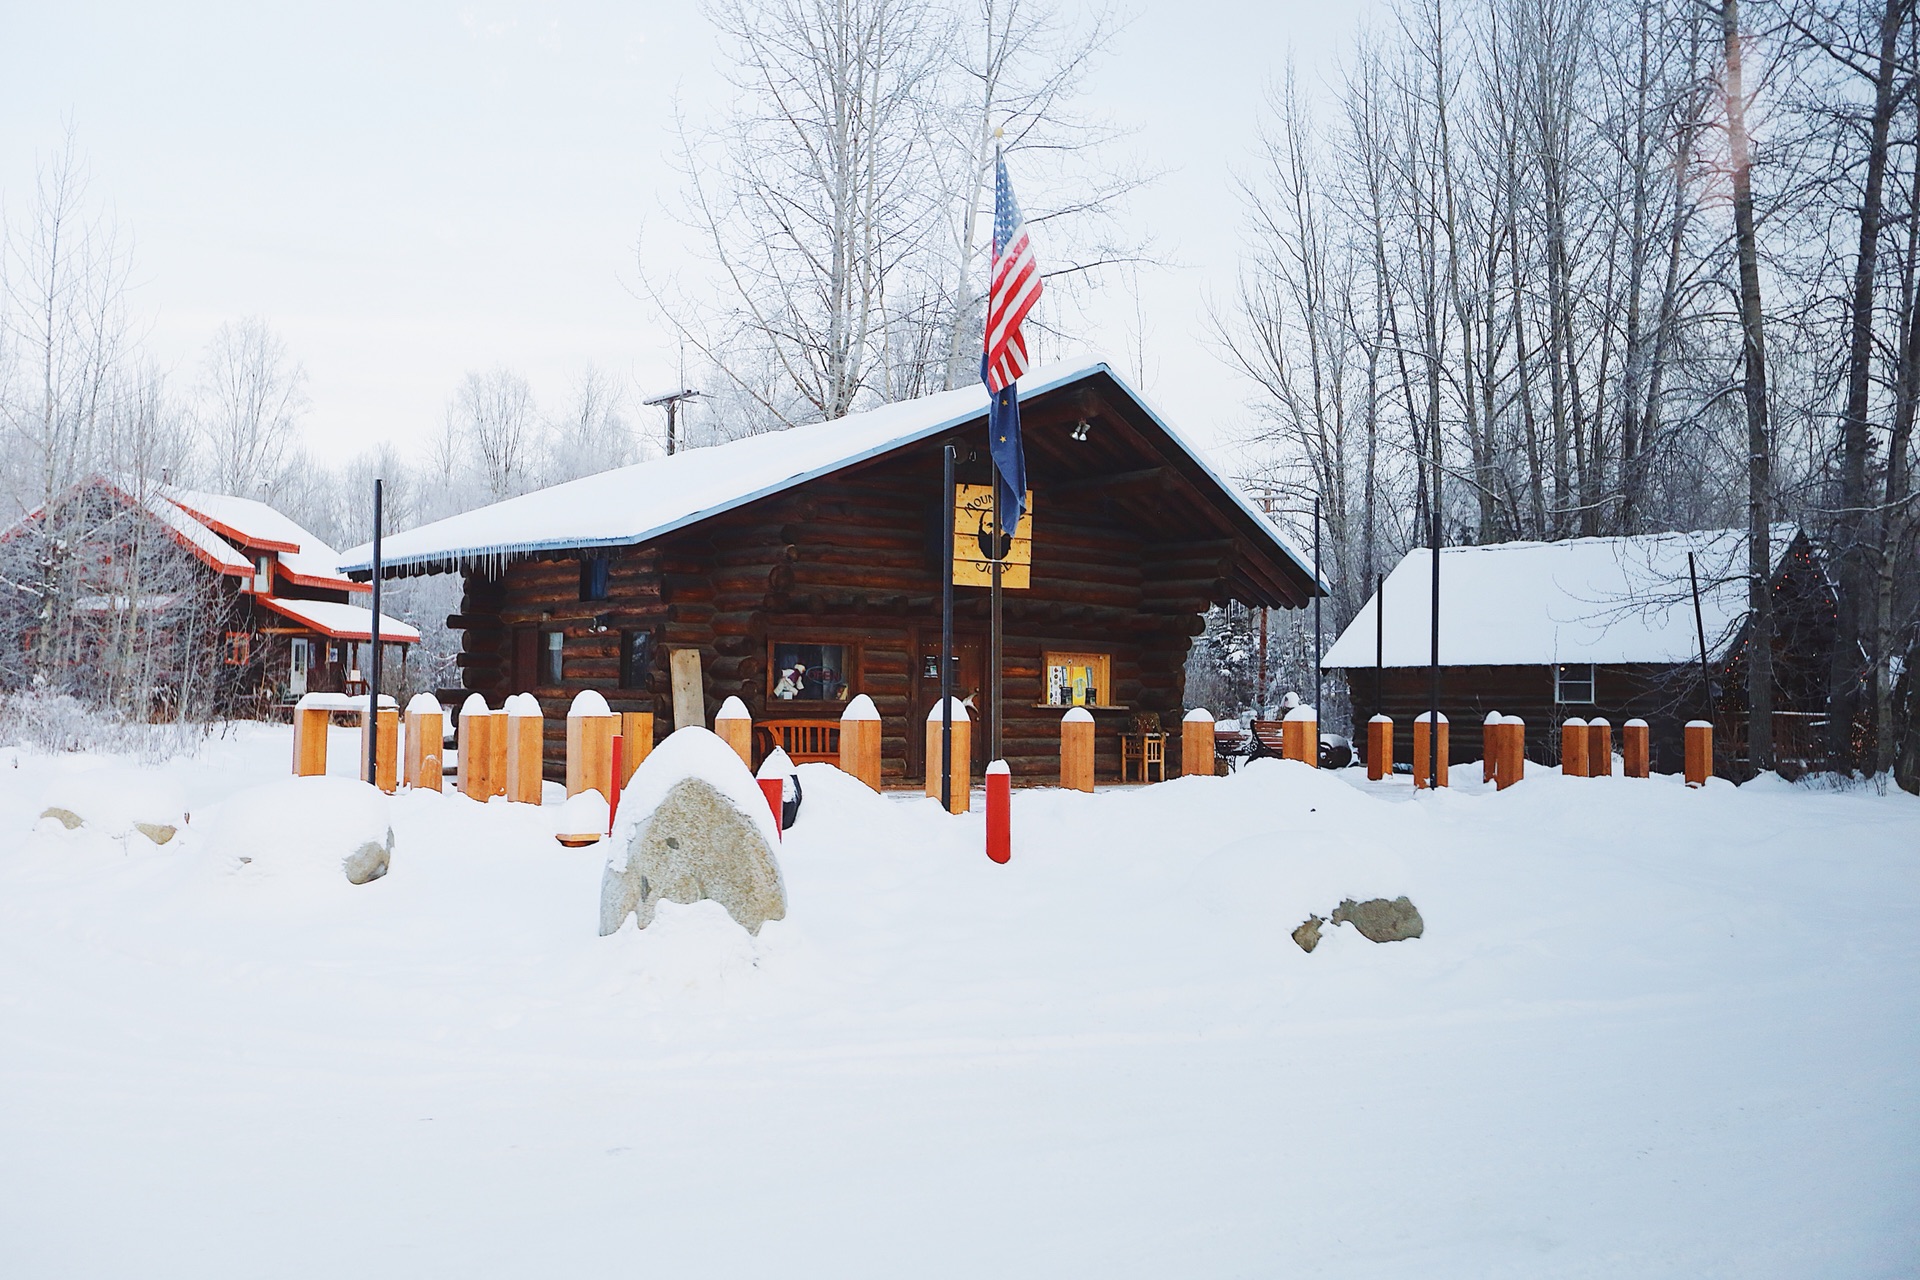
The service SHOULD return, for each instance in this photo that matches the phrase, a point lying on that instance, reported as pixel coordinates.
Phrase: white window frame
(1559, 685)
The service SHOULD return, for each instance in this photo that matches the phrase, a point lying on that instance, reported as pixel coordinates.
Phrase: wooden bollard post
(999, 811)
(1490, 747)
(496, 745)
(310, 725)
(1636, 755)
(636, 741)
(1511, 752)
(1379, 748)
(734, 723)
(860, 741)
(1699, 752)
(1425, 766)
(1573, 748)
(526, 744)
(1300, 736)
(476, 752)
(1196, 744)
(1076, 750)
(1599, 747)
(426, 734)
(591, 727)
(387, 729)
(962, 756)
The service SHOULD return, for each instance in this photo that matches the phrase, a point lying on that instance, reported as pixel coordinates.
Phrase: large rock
(1381, 921)
(303, 831)
(696, 843)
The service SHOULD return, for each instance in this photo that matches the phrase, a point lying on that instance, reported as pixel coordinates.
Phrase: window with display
(1079, 679)
(802, 672)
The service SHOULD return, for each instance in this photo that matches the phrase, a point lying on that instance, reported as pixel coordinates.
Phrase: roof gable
(302, 557)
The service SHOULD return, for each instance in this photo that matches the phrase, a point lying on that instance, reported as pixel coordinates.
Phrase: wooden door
(969, 671)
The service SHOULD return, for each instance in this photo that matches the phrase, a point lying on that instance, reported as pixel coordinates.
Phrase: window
(1573, 682)
(239, 648)
(552, 666)
(810, 672)
(1079, 679)
(593, 578)
(636, 658)
(263, 574)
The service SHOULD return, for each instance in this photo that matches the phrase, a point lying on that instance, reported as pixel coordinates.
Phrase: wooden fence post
(1634, 748)
(1490, 747)
(1423, 765)
(636, 741)
(1513, 752)
(526, 744)
(1379, 748)
(1196, 744)
(1699, 752)
(387, 727)
(426, 736)
(1599, 748)
(962, 756)
(475, 725)
(310, 725)
(590, 729)
(1573, 748)
(1076, 750)
(734, 723)
(860, 741)
(1300, 736)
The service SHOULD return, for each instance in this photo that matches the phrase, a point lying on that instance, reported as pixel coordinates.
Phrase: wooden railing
(805, 741)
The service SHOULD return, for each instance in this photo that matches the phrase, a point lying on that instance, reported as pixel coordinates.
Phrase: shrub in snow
(693, 824)
(305, 829)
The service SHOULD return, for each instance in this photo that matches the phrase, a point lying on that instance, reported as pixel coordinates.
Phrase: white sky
(407, 192)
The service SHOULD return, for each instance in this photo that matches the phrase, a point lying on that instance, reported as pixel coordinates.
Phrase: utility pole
(671, 402)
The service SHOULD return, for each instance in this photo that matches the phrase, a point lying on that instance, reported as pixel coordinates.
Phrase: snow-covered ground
(1649, 1032)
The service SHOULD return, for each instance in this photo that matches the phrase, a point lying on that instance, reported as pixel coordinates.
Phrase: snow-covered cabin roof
(1603, 600)
(300, 556)
(650, 499)
(342, 621)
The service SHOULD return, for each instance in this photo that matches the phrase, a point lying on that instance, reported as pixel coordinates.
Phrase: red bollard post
(613, 805)
(773, 785)
(999, 811)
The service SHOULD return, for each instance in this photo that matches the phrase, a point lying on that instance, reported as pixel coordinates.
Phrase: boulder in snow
(693, 824)
(1308, 934)
(1379, 920)
(65, 817)
(305, 829)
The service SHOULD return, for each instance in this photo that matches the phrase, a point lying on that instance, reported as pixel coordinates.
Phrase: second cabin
(804, 567)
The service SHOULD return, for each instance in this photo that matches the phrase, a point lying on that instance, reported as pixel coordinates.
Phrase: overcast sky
(409, 191)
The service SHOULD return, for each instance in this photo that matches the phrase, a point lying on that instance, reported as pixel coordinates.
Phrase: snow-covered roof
(1605, 600)
(302, 557)
(649, 499)
(200, 539)
(341, 621)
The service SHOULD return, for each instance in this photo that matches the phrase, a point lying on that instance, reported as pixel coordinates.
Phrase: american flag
(1013, 287)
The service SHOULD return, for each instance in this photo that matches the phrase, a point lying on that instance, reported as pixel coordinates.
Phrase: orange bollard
(1300, 736)
(620, 777)
(387, 727)
(962, 756)
(860, 741)
(735, 723)
(426, 735)
(1379, 748)
(1699, 752)
(1573, 748)
(1196, 744)
(310, 726)
(591, 727)
(1076, 750)
(1599, 748)
(1634, 750)
(1425, 766)
(1490, 747)
(1513, 752)
(636, 735)
(476, 751)
(526, 744)
(774, 771)
(999, 811)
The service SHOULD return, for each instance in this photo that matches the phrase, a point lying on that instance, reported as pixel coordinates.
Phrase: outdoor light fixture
(1080, 431)
(599, 623)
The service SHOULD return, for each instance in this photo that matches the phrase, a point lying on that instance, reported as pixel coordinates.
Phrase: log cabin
(804, 567)
(1550, 631)
(220, 585)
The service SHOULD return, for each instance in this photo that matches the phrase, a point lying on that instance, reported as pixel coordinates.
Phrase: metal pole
(1379, 638)
(1433, 691)
(1700, 631)
(1316, 604)
(947, 453)
(672, 405)
(373, 684)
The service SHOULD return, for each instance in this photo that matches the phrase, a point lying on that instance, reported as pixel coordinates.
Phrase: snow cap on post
(778, 764)
(998, 767)
(523, 706)
(1493, 717)
(1600, 722)
(1076, 715)
(1699, 724)
(733, 709)
(1199, 713)
(1426, 717)
(861, 708)
(475, 705)
(1302, 712)
(588, 702)
(1574, 723)
(424, 704)
(959, 712)
(1381, 719)
(1635, 723)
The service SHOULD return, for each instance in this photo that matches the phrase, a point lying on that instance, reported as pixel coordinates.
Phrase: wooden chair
(1146, 750)
(804, 741)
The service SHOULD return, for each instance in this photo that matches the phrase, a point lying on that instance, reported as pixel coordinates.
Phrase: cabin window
(552, 658)
(636, 658)
(1573, 682)
(1079, 679)
(593, 577)
(239, 648)
(263, 574)
(810, 672)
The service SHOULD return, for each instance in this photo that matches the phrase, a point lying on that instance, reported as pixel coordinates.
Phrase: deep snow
(1649, 1032)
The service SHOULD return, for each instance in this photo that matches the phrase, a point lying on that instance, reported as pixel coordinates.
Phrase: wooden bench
(804, 741)
(1266, 739)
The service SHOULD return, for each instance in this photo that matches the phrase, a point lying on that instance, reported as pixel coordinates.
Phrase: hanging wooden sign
(973, 538)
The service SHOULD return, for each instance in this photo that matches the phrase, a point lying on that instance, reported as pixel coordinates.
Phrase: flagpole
(947, 453)
(1001, 546)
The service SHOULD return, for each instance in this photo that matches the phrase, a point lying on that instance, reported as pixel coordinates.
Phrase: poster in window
(810, 672)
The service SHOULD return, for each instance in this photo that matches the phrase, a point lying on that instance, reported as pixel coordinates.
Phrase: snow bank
(302, 831)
